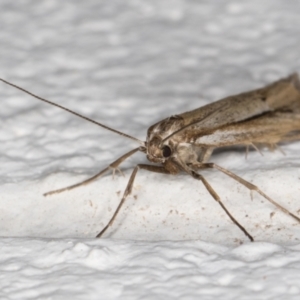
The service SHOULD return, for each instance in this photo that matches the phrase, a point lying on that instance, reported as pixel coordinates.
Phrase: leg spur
(112, 166)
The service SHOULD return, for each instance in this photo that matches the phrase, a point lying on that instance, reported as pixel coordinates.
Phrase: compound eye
(167, 151)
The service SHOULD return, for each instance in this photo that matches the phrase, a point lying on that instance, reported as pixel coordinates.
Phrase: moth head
(158, 152)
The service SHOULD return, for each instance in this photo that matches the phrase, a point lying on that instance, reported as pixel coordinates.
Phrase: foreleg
(113, 166)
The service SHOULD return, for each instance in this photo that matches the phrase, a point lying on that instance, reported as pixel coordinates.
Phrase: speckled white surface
(129, 65)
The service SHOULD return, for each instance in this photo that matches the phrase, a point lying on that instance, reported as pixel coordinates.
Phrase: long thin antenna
(73, 112)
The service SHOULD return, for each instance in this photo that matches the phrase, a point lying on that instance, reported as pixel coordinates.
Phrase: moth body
(264, 116)
(185, 142)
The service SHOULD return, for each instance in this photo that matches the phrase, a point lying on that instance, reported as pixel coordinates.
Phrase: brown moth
(185, 142)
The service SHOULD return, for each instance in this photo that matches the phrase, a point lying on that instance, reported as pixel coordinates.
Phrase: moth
(185, 142)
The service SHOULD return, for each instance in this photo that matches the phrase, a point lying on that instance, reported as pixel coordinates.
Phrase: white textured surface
(129, 65)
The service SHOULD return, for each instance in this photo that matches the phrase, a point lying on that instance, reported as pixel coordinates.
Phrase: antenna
(73, 112)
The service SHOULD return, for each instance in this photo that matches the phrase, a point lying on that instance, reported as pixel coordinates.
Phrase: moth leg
(205, 154)
(247, 151)
(257, 149)
(218, 199)
(273, 147)
(280, 149)
(248, 185)
(157, 169)
(113, 166)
